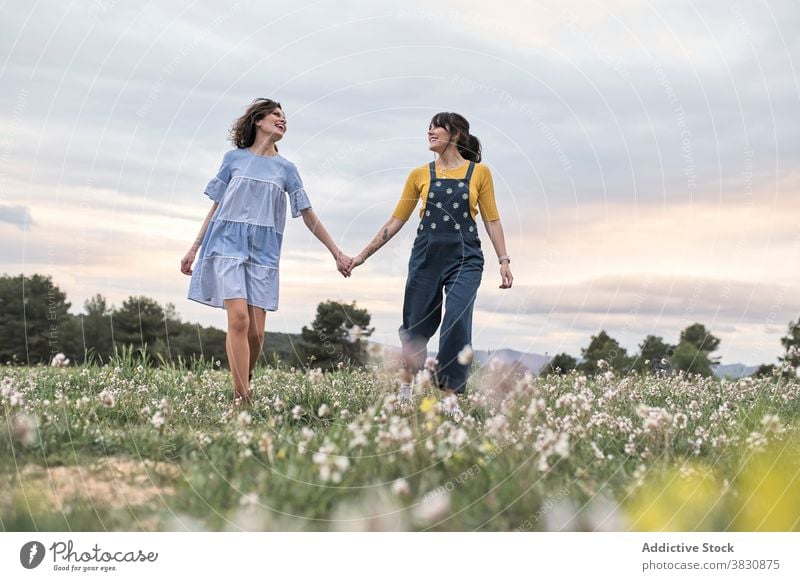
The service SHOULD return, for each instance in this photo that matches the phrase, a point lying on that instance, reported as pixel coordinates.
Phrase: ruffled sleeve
(217, 186)
(298, 199)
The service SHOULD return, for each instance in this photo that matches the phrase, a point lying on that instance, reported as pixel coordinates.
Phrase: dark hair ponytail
(468, 145)
(470, 148)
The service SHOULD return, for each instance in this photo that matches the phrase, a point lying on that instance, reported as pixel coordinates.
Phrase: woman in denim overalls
(446, 257)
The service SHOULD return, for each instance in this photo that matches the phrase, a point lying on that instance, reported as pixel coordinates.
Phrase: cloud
(19, 216)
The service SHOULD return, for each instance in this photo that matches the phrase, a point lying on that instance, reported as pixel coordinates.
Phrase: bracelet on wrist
(504, 257)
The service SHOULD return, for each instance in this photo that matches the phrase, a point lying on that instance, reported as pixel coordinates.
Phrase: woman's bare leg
(237, 345)
(255, 334)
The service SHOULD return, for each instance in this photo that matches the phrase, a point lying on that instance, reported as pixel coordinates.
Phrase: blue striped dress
(240, 253)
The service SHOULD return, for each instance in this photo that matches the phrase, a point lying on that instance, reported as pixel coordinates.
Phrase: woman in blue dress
(240, 240)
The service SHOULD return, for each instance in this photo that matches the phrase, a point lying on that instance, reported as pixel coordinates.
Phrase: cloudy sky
(645, 153)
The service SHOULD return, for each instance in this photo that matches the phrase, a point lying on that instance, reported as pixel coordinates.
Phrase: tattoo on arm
(385, 234)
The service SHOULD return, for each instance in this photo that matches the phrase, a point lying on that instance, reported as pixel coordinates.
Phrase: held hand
(358, 260)
(506, 278)
(343, 264)
(187, 261)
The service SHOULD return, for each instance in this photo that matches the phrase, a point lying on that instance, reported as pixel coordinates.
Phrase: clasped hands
(346, 264)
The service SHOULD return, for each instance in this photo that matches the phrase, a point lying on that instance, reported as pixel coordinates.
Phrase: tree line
(693, 354)
(35, 325)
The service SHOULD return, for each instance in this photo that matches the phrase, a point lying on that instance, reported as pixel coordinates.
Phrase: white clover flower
(654, 418)
(561, 446)
(756, 441)
(771, 424)
(297, 412)
(432, 508)
(536, 407)
(465, 355)
(25, 429)
(497, 427)
(598, 453)
(331, 466)
(158, 419)
(323, 410)
(244, 418)
(107, 398)
(401, 487)
(431, 363)
(59, 360)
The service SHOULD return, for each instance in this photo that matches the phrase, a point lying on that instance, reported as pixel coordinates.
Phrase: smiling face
(439, 139)
(273, 124)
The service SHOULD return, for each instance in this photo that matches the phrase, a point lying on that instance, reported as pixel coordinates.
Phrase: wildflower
(680, 421)
(25, 429)
(561, 446)
(371, 511)
(432, 508)
(423, 379)
(331, 466)
(315, 375)
(602, 364)
(323, 410)
(107, 398)
(771, 424)
(401, 487)
(431, 363)
(265, 445)
(244, 437)
(756, 441)
(427, 404)
(598, 453)
(654, 418)
(465, 355)
(497, 427)
(158, 419)
(244, 418)
(59, 360)
(297, 412)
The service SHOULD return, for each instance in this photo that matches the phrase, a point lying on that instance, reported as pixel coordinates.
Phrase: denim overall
(446, 256)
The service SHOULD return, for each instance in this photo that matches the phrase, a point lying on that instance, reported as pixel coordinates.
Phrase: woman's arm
(495, 231)
(383, 236)
(186, 262)
(314, 224)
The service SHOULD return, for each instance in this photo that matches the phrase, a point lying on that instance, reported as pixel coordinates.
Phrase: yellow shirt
(481, 191)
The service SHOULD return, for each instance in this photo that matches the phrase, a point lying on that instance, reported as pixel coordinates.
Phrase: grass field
(122, 447)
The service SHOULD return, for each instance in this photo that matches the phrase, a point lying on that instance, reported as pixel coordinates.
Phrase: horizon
(434, 340)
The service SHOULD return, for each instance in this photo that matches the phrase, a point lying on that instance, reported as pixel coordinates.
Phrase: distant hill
(532, 361)
(535, 362)
(735, 370)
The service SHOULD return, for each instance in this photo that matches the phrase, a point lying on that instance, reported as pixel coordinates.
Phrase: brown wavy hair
(243, 131)
(468, 145)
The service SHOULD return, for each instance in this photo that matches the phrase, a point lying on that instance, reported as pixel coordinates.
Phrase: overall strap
(469, 171)
(433, 171)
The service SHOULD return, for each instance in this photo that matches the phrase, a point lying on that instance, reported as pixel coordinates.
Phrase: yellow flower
(673, 501)
(427, 404)
(768, 490)
(281, 454)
